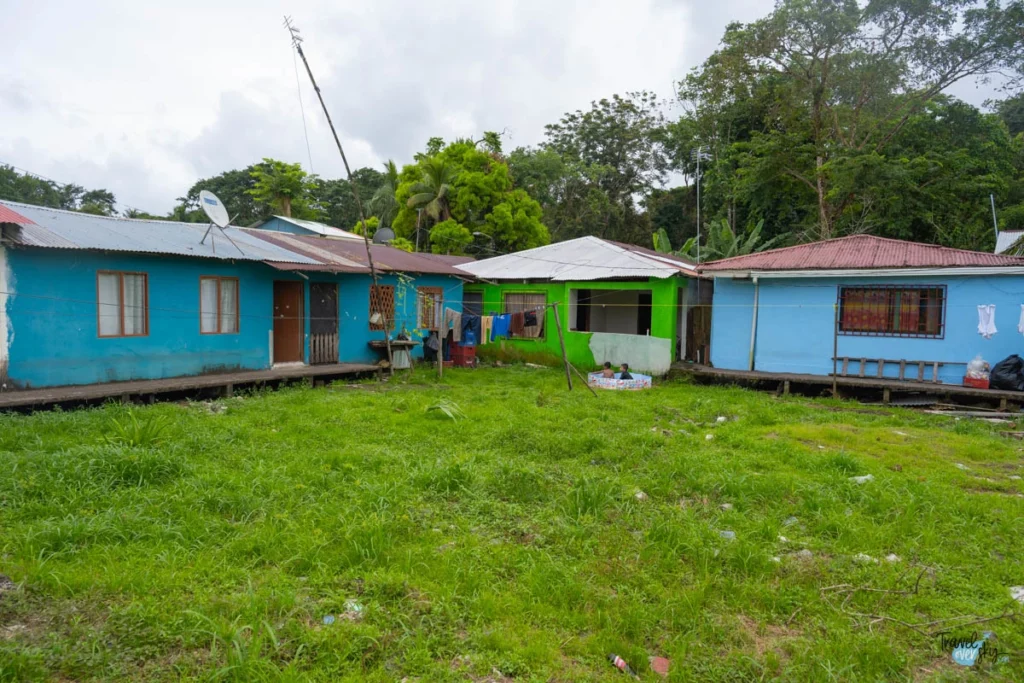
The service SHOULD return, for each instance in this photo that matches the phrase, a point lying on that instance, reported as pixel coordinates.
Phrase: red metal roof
(10, 216)
(862, 252)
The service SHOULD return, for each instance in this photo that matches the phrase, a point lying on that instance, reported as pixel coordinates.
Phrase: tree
(284, 186)
(234, 189)
(610, 155)
(430, 194)
(383, 202)
(845, 79)
(449, 237)
(372, 223)
(25, 187)
(99, 202)
(333, 199)
(474, 189)
(1011, 111)
(722, 242)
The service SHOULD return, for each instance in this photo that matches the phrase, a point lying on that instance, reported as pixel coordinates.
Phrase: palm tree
(383, 203)
(431, 193)
(722, 242)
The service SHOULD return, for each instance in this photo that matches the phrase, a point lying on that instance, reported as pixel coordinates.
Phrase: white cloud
(143, 100)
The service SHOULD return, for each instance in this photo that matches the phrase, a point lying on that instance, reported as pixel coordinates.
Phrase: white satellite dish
(214, 209)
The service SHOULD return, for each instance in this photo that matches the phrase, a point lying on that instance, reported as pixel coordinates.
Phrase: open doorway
(618, 311)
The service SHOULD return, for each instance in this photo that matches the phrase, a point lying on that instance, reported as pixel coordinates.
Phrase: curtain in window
(865, 310)
(228, 306)
(514, 303)
(430, 313)
(134, 304)
(208, 305)
(908, 305)
(110, 304)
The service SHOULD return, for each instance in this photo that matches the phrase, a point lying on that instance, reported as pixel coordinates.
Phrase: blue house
(299, 226)
(884, 308)
(90, 299)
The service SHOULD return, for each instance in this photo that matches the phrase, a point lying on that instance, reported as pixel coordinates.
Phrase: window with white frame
(218, 305)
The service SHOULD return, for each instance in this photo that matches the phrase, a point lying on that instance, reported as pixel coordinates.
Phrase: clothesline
(481, 329)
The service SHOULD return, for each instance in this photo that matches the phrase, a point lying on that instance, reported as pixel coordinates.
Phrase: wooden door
(698, 327)
(323, 323)
(288, 322)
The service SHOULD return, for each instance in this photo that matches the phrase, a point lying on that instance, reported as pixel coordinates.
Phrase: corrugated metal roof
(350, 255)
(9, 216)
(447, 258)
(1006, 239)
(319, 228)
(861, 252)
(72, 230)
(582, 259)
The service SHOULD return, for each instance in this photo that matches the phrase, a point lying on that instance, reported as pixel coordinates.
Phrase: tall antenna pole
(297, 44)
(995, 223)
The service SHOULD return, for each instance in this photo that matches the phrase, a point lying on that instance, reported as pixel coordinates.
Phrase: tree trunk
(286, 206)
(826, 226)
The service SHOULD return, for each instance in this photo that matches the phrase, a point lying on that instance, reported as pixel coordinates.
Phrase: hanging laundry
(501, 323)
(517, 326)
(487, 323)
(471, 325)
(1020, 325)
(530, 319)
(987, 320)
(453, 321)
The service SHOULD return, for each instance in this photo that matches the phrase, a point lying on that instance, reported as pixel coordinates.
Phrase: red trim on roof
(862, 252)
(10, 216)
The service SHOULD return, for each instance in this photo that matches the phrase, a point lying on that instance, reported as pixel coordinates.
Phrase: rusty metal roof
(349, 256)
(37, 226)
(861, 252)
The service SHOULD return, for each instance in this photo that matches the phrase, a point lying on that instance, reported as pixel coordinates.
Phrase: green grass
(490, 528)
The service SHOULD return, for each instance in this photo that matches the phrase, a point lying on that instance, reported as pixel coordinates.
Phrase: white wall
(614, 311)
(651, 355)
(6, 332)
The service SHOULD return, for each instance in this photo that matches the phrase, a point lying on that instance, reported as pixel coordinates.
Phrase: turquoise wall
(53, 317)
(796, 318)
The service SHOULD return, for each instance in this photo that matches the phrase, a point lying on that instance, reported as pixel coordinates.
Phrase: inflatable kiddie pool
(636, 384)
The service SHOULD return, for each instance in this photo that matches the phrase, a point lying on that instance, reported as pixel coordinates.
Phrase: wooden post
(561, 342)
(441, 338)
(586, 382)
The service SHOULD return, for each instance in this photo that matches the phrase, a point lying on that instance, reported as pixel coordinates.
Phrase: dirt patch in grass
(768, 637)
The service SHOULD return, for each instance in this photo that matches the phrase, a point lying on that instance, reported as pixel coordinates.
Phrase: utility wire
(302, 109)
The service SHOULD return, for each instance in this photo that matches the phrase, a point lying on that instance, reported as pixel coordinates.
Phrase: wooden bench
(922, 366)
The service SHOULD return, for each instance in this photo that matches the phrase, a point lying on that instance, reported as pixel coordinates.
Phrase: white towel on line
(987, 320)
(1020, 325)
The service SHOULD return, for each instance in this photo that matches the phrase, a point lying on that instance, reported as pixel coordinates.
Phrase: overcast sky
(145, 100)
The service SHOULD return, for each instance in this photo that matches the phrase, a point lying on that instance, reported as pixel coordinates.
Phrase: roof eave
(869, 272)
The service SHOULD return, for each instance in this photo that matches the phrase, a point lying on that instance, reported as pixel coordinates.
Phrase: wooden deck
(784, 382)
(155, 389)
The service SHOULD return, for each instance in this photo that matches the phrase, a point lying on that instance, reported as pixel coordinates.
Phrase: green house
(615, 302)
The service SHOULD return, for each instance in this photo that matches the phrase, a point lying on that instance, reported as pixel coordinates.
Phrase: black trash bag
(1008, 374)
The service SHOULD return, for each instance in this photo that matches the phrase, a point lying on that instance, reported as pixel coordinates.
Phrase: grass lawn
(210, 541)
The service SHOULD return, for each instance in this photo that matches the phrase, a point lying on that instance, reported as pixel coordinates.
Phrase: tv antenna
(294, 32)
(215, 210)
